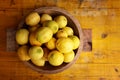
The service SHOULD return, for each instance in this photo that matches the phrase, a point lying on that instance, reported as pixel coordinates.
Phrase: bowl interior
(73, 23)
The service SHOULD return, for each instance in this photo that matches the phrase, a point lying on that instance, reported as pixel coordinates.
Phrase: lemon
(61, 33)
(46, 52)
(68, 57)
(32, 19)
(44, 34)
(69, 30)
(36, 52)
(45, 17)
(33, 41)
(22, 36)
(33, 28)
(51, 44)
(61, 20)
(76, 41)
(52, 25)
(38, 62)
(23, 53)
(55, 58)
(64, 45)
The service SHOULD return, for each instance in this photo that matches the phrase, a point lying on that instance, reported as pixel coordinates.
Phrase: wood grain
(102, 16)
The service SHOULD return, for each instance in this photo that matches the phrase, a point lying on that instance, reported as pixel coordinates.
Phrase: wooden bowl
(73, 23)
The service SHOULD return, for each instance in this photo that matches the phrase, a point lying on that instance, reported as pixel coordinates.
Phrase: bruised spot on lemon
(64, 45)
(68, 57)
(44, 34)
(55, 58)
(36, 52)
(23, 53)
(22, 36)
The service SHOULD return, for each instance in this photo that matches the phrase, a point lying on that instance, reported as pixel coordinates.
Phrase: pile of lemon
(47, 38)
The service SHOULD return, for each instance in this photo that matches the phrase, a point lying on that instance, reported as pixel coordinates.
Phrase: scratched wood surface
(101, 16)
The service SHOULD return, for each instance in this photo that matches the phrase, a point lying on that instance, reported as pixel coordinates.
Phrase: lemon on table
(64, 45)
(55, 58)
(23, 53)
(36, 52)
(22, 36)
(68, 57)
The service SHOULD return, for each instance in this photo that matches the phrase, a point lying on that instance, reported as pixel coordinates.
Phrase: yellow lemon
(32, 19)
(36, 52)
(38, 62)
(55, 58)
(22, 36)
(23, 53)
(61, 20)
(76, 41)
(33, 28)
(69, 30)
(51, 43)
(44, 34)
(52, 25)
(46, 52)
(68, 57)
(61, 33)
(45, 17)
(64, 45)
(33, 41)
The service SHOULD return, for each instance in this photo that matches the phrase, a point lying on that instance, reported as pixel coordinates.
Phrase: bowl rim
(78, 26)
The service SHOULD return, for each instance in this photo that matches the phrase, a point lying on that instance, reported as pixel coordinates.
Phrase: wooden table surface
(101, 16)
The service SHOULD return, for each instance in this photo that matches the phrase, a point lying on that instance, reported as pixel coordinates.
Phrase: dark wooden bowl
(74, 24)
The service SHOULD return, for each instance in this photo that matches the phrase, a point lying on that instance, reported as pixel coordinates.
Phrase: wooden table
(101, 16)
